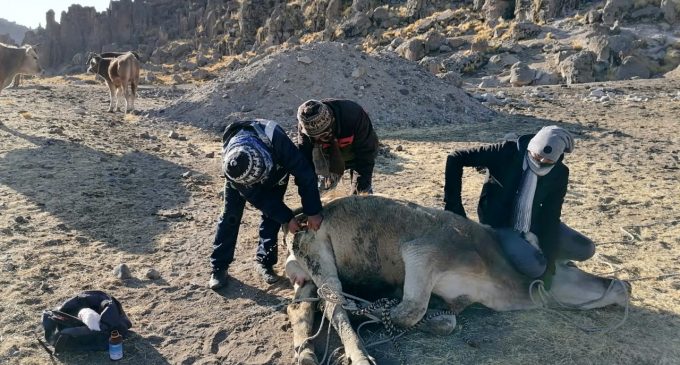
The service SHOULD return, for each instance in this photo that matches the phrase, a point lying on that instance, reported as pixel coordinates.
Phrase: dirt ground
(82, 190)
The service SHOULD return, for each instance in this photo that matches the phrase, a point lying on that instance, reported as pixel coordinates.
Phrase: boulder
(524, 30)
(432, 64)
(632, 66)
(412, 49)
(493, 10)
(521, 74)
(357, 25)
(615, 10)
(546, 78)
(452, 78)
(464, 62)
(382, 17)
(433, 41)
(578, 68)
(503, 59)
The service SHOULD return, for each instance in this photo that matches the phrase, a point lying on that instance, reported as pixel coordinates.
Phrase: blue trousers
(228, 227)
(525, 258)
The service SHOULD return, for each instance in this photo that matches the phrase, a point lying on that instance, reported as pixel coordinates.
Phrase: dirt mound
(392, 90)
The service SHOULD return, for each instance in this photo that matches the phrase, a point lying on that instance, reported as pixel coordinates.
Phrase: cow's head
(30, 65)
(575, 287)
(93, 61)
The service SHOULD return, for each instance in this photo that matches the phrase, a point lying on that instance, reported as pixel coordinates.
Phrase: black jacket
(353, 130)
(503, 162)
(287, 160)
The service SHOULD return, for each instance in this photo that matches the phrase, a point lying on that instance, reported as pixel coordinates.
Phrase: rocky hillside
(11, 32)
(487, 42)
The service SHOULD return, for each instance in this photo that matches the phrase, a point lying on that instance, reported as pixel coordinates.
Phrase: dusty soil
(82, 190)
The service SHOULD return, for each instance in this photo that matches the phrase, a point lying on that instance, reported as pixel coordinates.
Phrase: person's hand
(314, 222)
(293, 225)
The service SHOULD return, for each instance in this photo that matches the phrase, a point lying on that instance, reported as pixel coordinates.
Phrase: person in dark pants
(257, 159)
(522, 198)
(336, 135)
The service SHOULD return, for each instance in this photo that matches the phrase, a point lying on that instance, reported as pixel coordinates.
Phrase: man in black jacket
(335, 135)
(522, 198)
(257, 159)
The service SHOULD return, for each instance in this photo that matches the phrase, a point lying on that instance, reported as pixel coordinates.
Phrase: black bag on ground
(66, 332)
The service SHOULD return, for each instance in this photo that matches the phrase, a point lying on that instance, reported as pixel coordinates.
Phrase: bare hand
(293, 226)
(314, 222)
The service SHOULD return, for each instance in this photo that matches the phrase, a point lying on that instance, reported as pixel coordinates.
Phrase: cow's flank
(368, 242)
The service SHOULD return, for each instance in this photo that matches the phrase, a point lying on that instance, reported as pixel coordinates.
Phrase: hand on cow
(293, 225)
(314, 222)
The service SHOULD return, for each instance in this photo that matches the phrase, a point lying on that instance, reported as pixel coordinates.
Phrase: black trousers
(228, 227)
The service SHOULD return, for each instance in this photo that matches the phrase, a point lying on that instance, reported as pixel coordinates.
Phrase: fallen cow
(121, 74)
(375, 242)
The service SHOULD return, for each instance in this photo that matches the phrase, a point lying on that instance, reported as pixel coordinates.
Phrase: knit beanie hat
(247, 160)
(315, 117)
(551, 142)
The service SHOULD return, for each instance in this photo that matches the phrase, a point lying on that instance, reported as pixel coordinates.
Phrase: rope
(544, 296)
(361, 307)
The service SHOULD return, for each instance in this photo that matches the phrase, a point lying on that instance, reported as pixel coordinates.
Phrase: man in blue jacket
(522, 198)
(257, 159)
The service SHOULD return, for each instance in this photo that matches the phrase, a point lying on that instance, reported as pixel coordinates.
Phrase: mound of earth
(392, 90)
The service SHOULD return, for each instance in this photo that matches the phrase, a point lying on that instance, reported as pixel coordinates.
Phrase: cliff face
(11, 32)
(222, 27)
(142, 25)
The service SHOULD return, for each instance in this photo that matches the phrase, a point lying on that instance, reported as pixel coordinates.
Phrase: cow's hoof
(306, 357)
(442, 325)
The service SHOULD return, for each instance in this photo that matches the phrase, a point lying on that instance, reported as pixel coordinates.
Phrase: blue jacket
(287, 160)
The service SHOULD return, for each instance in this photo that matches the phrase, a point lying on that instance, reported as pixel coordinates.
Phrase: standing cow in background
(17, 60)
(121, 74)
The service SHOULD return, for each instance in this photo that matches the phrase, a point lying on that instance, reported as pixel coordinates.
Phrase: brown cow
(17, 60)
(122, 76)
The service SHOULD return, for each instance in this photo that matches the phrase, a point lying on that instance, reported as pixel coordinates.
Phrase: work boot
(266, 272)
(218, 279)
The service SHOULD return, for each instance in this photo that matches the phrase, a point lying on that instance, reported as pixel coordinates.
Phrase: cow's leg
(324, 273)
(112, 96)
(133, 94)
(418, 284)
(119, 94)
(301, 315)
(126, 94)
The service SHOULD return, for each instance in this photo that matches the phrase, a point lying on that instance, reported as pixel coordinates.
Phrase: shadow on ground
(110, 198)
